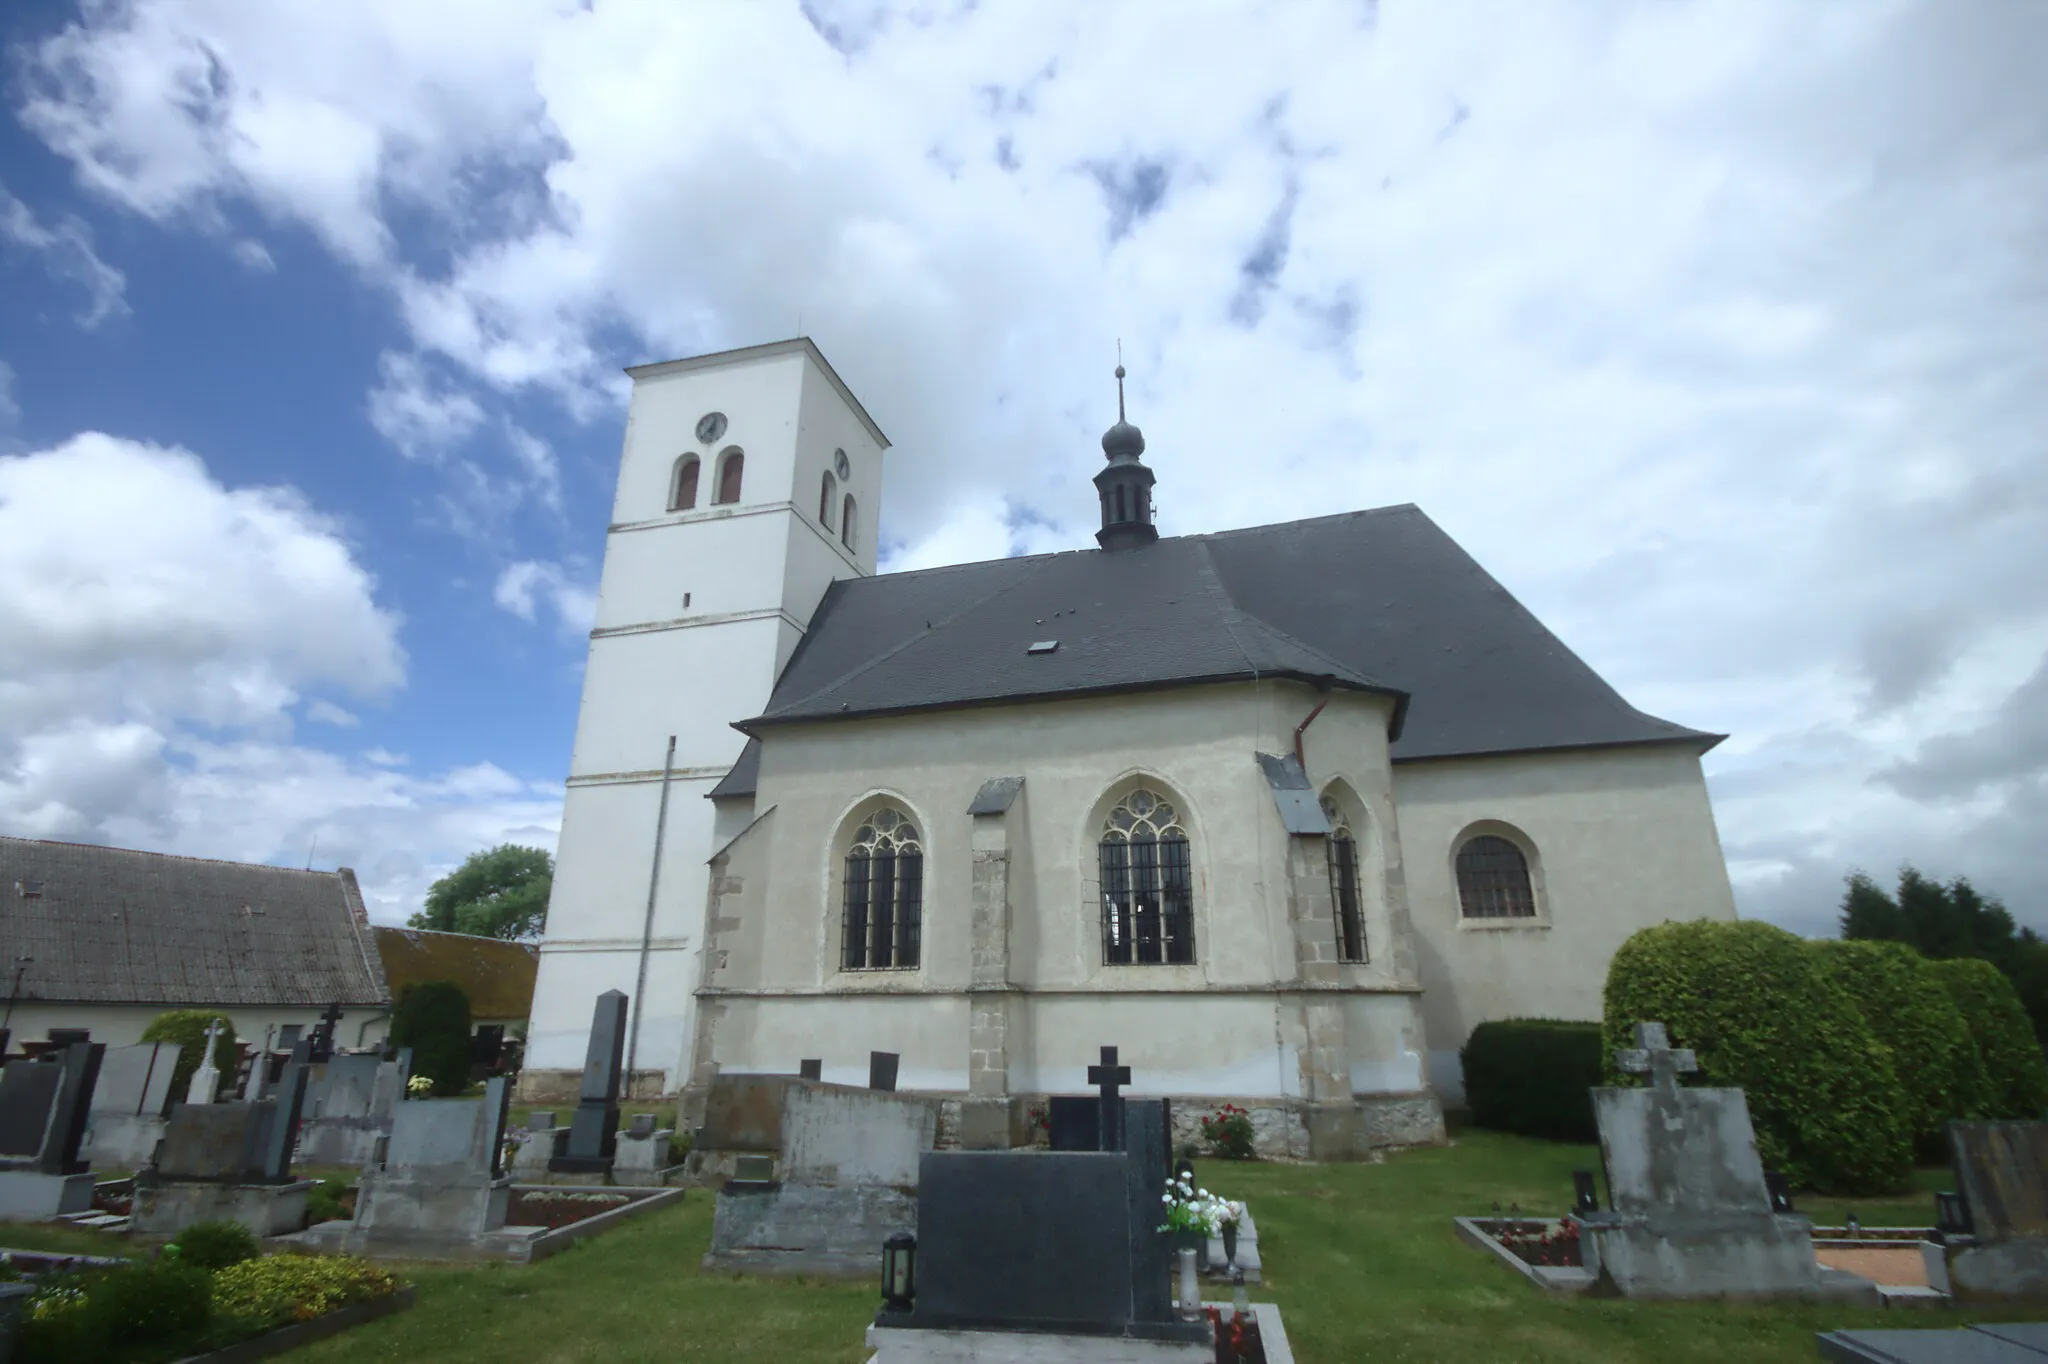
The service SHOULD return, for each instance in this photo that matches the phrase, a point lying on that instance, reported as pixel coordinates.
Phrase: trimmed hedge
(1763, 1015)
(2016, 1073)
(187, 1027)
(1533, 1076)
(432, 1017)
(1903, 999)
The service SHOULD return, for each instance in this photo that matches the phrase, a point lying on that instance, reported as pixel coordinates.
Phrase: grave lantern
(1779, 1184)
(1951, 1215)
(899, 1271)
(1584, 1198)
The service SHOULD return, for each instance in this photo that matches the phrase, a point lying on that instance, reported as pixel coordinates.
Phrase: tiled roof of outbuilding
(495, 974)
(115, 926)
(1376, 600)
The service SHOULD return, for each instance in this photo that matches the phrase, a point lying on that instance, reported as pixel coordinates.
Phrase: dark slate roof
(113, 926)
(740, 781)
(1377, 600)
(496, 975)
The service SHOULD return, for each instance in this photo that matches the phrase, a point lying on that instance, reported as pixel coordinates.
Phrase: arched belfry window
(682, 488)
(846, 522)
(1493, 880)
(732, 465)
(883, 900)
(1344, 891)
(827, 495)
(1148, 898)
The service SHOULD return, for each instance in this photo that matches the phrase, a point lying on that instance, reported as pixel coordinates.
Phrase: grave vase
(1230, 1245)
(1190, 1289)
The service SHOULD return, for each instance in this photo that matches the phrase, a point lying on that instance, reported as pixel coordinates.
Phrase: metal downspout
(668, 767)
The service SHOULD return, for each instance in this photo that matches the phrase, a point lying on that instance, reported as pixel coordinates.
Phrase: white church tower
(749, 481)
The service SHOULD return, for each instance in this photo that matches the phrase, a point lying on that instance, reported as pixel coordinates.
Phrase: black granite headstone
(1148, 1129)
(5, 1033)
(1075, 1122)
(278, 1134)
(28, 1091)
(812, 1069)
(213, 1143)
(1022, 1241)
(1110, 1078)
(73, 1108)
(323, 1034)
(594, 1127)
(68, 1037)
(882, 1070)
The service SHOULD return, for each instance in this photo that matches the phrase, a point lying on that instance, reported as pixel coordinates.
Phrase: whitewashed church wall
(1221, 1046)
(598, 909)
(639, 689)
(760, 401)
(1346, 747)
(929, 1033)
(825, 424)
(1386, 1039)
(729, 560)
(1624, 838)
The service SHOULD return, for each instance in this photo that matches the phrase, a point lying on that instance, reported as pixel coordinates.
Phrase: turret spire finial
(1120, 379)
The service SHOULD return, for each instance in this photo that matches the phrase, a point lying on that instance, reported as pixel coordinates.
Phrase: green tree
(1946, 920)
(432, 1018)
(499, 893)
(187, 1027)
(1906, 1002)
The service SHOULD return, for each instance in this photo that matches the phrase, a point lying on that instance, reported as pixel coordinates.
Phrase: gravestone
(2001, 1173)
(1074, 1122)
(44, 1108)
(205, 1083)
(1110, 1078)
(349, 1105)
(544, 1141)
(848, 1161)
(228, 1162)
(440, 1189)
(1691, 1214)
(323, 1034)
(642, 1153)
(882, 1066)
(594, 1129)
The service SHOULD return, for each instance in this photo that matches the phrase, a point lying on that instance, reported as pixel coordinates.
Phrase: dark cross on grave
(323, 1035)
(1109, 1077)
(1653, 1055)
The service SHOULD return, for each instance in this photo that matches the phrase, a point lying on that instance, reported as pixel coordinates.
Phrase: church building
(1281, 812)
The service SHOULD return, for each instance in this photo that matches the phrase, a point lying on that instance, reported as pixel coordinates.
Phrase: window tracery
(1344, 892)
(1148, 903)
(883, 894)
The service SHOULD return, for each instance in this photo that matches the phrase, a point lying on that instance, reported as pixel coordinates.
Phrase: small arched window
(1148, 898)
(846, 522)
(826, 496)
(682, 488)
(1121, 514)
(1493, 880)
(729, 473)
(883, 900)
(1344, 896)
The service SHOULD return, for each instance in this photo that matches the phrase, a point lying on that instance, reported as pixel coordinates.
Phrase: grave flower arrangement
(419, 1086)
(1193, 1212)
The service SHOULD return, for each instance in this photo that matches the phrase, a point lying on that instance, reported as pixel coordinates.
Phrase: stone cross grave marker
(206, 1080)
(323, 1034)
(1653, 1055)
(1110, 1077)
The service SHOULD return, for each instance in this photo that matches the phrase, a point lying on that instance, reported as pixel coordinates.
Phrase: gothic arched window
(825, 500)
(1344, 893)
(1493, 880)
(846, 522)
(884, 894)
(729, 473)
(1148, 897)
(682, 488)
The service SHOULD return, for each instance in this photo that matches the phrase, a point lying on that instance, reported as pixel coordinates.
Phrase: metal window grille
(1493, 880)
(881, 919)
(1344, 895)
(1148, 903)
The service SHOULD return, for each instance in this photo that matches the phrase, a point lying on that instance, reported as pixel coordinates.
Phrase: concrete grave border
(306, 1332)
(1549, 1278)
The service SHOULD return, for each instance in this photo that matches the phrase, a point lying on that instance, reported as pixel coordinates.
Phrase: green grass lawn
(1362, 1259)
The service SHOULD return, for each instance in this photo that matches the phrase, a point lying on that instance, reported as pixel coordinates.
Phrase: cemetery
(836, 1221)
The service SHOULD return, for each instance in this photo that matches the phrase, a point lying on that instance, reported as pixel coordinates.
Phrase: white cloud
(423, 418)
(523, 587)
(254, 255)
(384, 757)
(1713, 331)
(156, 630)
(10, 411)
(66, 249)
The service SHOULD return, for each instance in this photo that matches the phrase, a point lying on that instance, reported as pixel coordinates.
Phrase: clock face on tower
(710, 427)
(840, 463)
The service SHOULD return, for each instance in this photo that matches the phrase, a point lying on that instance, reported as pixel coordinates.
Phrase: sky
(1717, 332)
